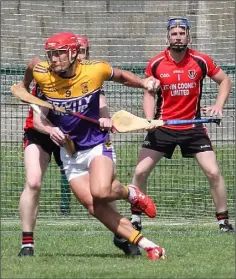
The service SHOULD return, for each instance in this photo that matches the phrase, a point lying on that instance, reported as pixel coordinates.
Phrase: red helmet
(64, 40)
(83, 41)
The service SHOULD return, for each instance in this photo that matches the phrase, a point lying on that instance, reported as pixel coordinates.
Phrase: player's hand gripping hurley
(122, 120)
(69, 144)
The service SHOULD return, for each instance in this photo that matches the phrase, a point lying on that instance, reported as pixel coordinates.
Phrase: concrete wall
(122, 32)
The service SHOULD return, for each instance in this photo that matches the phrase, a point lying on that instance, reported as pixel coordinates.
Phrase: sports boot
(128, 248)
(156, 253)
(143, 202)
(26, 251)
(225, 226)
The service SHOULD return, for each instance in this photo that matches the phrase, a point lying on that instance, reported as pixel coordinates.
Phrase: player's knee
(213, 174)
(103, 195)
(140, 174)
(33, 185)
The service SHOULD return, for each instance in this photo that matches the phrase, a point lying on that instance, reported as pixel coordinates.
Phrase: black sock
(222, 215)
(27, 239)
(136, 211)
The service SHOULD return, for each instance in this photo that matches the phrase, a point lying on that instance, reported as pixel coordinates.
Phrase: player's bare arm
(41, 124)
(129, 79)
(46, 127)
(105, 120)
(223, 92)
(149, 106)
(28, 75)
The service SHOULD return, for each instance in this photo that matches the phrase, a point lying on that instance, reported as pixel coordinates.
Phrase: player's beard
(178, 48)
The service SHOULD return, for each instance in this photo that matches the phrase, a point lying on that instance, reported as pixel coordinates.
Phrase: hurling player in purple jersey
(91, 171)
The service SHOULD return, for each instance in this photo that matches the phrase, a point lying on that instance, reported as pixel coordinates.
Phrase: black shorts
(190, 141)
(32, 136)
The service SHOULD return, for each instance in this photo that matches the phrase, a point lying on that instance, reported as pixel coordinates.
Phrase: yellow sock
(135, 237)
(127, 191)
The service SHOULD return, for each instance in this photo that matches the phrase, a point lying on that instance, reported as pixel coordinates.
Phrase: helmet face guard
(182, 23)
(62, 45)
(83, 52)
(84, 47)
(65, 64)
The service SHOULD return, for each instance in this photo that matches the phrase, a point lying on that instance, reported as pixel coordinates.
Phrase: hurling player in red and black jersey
(181, 71)
(32, 136)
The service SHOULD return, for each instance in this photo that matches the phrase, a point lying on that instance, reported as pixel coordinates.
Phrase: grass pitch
(81, 250)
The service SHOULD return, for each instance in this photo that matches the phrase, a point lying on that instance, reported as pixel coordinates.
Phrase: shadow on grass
(87, 255)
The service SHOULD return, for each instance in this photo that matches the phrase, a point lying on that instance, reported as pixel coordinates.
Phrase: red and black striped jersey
(181, 84)
(29, 124)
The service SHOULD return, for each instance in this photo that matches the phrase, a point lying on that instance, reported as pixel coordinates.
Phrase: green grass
(82, 251)
(178, 186)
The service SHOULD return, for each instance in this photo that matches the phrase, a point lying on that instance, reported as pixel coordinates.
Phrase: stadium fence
(126, 34)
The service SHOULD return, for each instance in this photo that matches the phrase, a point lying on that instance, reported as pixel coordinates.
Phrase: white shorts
(78, 165)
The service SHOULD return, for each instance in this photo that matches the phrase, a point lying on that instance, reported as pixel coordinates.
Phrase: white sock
(145, 243)
(132, 193)
(27, 245)
(221, 222)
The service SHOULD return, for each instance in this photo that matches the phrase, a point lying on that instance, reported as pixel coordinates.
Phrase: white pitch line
(91, 223)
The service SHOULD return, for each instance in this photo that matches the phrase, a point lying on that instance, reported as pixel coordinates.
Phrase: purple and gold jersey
(79, 94)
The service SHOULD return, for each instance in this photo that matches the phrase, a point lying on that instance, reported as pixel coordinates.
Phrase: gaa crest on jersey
(108, 144)
(84, 87)
(192, 74)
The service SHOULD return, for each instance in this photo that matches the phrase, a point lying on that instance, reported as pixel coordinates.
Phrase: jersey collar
(170, 59)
